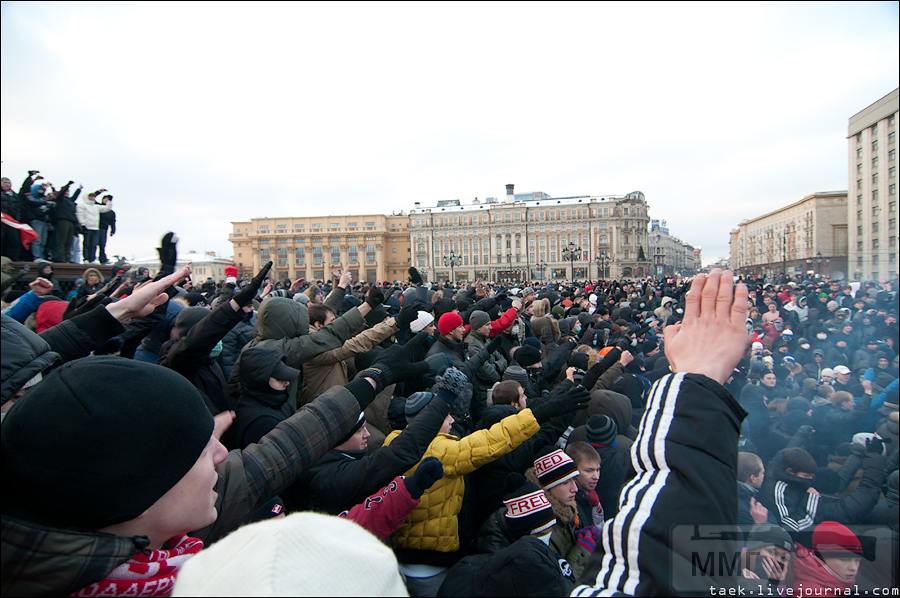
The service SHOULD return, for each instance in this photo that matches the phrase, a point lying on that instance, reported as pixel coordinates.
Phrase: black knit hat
(76, 454)
(554, 468)
(767, 534)
(187, 318)
(527, 355)
(528, 511)
(601, 429)
(360, 422)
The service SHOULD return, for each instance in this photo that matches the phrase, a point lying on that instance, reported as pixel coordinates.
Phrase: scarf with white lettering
(148, 573)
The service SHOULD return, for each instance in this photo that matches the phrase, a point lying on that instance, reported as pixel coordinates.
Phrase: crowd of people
(43, 223)
(260, 437)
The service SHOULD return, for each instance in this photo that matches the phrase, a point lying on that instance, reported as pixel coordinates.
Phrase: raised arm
(685, 455)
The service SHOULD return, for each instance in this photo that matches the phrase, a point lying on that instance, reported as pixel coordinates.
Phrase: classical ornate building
(523, 237)
(669, 254)
(375, 247)
(809, 235)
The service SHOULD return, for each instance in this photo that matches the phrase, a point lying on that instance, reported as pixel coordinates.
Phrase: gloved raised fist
(375, 297)
(246, 294)
(430, 470)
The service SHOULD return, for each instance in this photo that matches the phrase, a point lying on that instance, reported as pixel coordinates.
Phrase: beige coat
(329, 369)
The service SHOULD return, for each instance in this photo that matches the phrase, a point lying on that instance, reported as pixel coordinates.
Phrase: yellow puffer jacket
(432, 525)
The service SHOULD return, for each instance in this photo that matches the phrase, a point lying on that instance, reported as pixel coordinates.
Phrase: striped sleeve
(685, 459)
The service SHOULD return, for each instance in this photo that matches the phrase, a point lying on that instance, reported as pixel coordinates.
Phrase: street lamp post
(571, 253)
(452, 260)
(543, 267)
(602, 260)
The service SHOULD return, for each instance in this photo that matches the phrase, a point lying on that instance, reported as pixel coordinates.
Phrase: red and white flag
(26, 233)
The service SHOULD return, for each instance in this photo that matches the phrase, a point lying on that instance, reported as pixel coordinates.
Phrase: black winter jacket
(342, 479)
(189, 356)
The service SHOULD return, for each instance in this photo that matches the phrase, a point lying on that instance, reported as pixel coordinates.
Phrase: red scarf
(148, 573)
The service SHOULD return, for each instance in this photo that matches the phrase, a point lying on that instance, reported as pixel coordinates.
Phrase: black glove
(593, 374)
(494, 344)
(415, 277)
(875, 445)
(168, 254)
(246, 295)
(393, 366)
(408, 315)
(429, 471)
(375, 297)
(573, 400)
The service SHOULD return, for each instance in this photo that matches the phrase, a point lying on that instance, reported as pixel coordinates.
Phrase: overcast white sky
(197, 115)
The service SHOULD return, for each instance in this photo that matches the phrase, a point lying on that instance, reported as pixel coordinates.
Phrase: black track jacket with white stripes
(685, 459)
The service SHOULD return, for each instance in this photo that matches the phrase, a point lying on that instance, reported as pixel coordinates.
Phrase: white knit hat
(304, 554)
(421, 322)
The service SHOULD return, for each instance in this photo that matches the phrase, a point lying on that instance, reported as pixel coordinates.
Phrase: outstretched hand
(713, 337)
(146, 297)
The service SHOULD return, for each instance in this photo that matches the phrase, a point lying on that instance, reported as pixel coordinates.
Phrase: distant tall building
(669, 254)
(523, 237)
(872, 210)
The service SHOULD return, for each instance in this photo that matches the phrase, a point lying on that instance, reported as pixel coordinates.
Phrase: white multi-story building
(872, 213)
(669, 254)
(527, 237)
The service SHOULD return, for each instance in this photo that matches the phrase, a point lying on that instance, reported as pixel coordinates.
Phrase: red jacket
(383, 512)
(500, 324)
(810, 572)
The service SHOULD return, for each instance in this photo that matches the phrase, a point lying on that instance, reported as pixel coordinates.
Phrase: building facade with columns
(522, 237)
(872, 212)
(670, 255)
(809, 235)
(374, 247)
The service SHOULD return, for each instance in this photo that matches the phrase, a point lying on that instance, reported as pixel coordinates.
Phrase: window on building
(892, 155)
(370, 254)
(352, 254)
(892, 172)
(859, 245)
(892, 189)
(264, 255)
(875, 194)
(299, 256)
(859, 230)
(874, 178)
(875, 162)
(282, 257)
(859, 199)
(299, 226)
(875, 227)
(281, 226)
(317, 226)
(859, 153)
(859, 137)
(335, 254)
(875, 244)
(891, 120)
(370, 226)
(892, 136)
(351, 225)
(264, 241)
(317, 256)
(874, 145)
(334, 226)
